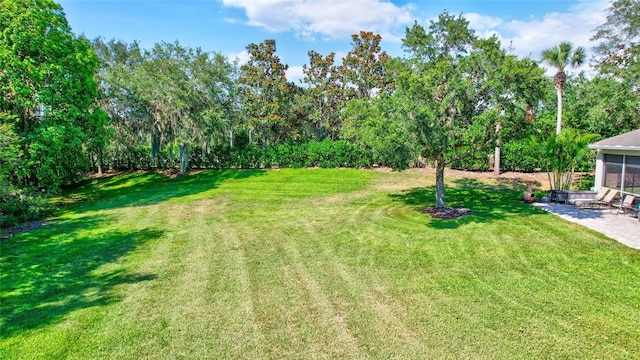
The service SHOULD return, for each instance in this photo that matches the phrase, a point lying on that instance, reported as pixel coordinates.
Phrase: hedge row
(326, 154)
(516, 156)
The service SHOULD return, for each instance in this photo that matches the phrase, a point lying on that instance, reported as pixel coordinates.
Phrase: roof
(626, 141)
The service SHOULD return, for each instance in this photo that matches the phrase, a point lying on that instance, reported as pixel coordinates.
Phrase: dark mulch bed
(447, 212)
(28, 226)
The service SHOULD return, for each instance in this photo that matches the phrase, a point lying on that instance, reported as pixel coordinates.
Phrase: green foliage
(291, 154)
(48, 90)
(165, 95)
(461, 90)
(11, 156)
(519, 155)
(326, 95)
(363, 69)
(585, 182)
(17, 206)
(601, 105)
(618, 52)
(478, 161)
(381, 127)
(560, 57)
(268, 98)
(562, 154)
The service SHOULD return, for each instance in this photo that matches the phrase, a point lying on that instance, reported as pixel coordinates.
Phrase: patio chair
(608, 200)
(580, 203)
(625, 205)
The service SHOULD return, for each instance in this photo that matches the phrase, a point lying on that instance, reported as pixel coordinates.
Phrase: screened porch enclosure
(622, 172)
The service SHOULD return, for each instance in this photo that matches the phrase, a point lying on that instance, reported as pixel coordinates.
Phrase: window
(622, 172)
(632, 174)
(613, 171)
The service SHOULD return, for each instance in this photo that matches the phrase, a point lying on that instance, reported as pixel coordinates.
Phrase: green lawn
(312, 263)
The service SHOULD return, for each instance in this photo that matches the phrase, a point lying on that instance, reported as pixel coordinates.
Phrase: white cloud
(340, 55)
(338, 19)
(333, 19)
(529, 37)
(295, 74)
(482, 22)
(241, 57)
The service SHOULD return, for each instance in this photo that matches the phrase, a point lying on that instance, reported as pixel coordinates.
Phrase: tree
(49, 93)
(560, 57)
(514, 87)
(362, 69)
(381, 126)
(447, 91)
(129, 118)
(185, 92)
(214, 97)
(325, 94)
(165, 96)
(561, 154)
(618, 52)
(236, 117)
(268, 97)
(11, 156)
(601, 105)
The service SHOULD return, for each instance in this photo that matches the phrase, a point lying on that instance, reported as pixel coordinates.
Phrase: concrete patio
(621, 227)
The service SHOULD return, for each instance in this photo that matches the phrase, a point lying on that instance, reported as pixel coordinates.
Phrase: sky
(524, 27)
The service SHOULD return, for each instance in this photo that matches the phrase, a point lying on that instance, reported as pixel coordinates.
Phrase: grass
(312, 264)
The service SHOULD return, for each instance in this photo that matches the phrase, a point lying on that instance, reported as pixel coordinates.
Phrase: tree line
(71, 105)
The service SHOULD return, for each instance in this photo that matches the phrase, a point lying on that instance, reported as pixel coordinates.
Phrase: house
(618, 162)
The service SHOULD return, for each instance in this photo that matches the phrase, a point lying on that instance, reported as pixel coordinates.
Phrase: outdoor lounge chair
(608, 199)
(580, 203)
(625, 205)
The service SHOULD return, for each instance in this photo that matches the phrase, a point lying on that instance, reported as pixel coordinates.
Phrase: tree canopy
(458, 88)
(618, 53)
(48, 101)
(560, 57)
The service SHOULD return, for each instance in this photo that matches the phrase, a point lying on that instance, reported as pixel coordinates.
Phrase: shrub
(19, 206)
(478, 162)
(290, 154)
(520, 156)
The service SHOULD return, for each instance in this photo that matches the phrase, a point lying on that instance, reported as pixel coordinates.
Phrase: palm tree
(560, 57)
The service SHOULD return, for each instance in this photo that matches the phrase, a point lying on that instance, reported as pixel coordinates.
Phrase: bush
(478, 162)
(17, 207)
(291, 154)
(520, 156)
(584, 182)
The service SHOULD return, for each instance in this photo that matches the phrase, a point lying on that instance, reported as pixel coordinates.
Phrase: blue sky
(228, 26)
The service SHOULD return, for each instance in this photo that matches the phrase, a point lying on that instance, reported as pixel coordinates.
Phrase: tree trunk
(155, 147)
(496, 161)
(559, 122)
(99, 155)
(184, 158)
(318, 133)
(203, 159)
(440, 184)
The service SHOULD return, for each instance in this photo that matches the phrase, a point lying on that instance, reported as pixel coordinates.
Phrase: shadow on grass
(71, 264)
(487, 202)
(52, 271)
(147, 188)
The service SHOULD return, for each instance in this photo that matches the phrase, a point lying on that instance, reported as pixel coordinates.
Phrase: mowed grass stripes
(312, 263)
